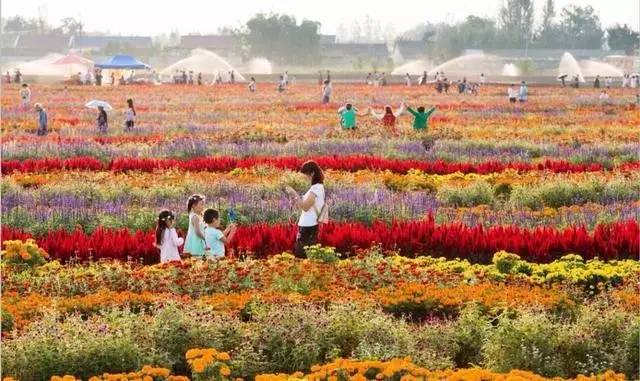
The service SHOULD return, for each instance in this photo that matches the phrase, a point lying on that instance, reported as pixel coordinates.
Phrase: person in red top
(388, 118)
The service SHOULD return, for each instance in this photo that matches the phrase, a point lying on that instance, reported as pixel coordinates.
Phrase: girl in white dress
(167, 239)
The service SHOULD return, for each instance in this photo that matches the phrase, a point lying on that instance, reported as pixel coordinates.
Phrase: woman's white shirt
(310, 217)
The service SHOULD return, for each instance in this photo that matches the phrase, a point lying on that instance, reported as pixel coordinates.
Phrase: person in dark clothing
(102, 120)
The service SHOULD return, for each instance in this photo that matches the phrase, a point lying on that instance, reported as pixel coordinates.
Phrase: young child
(214, 237)
(195, 243)
(167, 239)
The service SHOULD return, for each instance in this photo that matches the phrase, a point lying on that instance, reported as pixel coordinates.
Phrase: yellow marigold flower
(53, 378)
(315, 368)
(68, 378)
(192, 353)
(223, 356)
(207, 358)
(25, 255)
(162, 372)
(147, 378)
(298, 375)
(198, 365)
(225, 371)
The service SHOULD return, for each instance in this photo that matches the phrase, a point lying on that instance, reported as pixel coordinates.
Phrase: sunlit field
(499, 244)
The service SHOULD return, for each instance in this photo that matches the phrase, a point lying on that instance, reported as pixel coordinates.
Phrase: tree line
(282, 39)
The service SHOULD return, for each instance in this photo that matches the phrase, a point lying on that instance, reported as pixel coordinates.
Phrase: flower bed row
(346, 163)
(410, 238)
(415, 301)
(271, 339)
(31, 147)
(367, 271)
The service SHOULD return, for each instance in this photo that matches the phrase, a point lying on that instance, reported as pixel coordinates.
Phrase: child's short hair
(421, 109)
(210, 215)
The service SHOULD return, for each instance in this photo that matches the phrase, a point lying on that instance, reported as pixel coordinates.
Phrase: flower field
(501, 244)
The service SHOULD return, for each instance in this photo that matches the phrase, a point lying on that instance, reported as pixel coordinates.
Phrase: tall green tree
(18, 24)
(549, 35)
(281, 39)
(70, 27)
(516, 23)
(581, 28)
(622, 37)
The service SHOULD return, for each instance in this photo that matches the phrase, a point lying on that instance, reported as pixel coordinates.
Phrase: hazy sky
(146, 17)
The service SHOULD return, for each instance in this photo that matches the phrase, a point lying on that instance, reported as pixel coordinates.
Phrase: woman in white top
(25, 95)
(512, 93)
(311, 205)
(327, 89)
(129, 115)
(167, 239)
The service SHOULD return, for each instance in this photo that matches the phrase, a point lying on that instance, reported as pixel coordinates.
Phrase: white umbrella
(97, 103)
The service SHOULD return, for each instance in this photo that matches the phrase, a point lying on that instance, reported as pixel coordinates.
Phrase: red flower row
(345, 163)
(543, 244)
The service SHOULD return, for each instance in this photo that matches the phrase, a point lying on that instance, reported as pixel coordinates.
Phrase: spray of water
(592, 68)
(569, 66)
(415, 67)
(259, 65)
(203, 61)
(510, 70)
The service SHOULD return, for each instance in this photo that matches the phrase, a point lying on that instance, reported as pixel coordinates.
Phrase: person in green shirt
(421, 120)
(348, 115)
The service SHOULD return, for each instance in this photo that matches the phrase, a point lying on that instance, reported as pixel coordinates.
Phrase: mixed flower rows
(503, 239)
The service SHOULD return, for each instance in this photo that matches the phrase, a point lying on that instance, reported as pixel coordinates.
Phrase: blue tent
(122, 62)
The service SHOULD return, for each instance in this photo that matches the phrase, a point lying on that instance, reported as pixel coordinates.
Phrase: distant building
(34, 45)
(93, 43)
(354, 55)
(327, 39)
(404, 50)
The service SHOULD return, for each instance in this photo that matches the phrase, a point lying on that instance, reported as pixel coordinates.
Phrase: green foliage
(595, 343)
(74, 346)
(287, 338)
(528, 342)
(281, 39)
(623, 37)
(479, 193)
(470, 331)
(516, 19)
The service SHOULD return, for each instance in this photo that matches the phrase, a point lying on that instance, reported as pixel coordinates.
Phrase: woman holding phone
(311, 206)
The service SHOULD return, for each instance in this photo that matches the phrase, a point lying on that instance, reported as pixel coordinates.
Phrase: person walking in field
(252, 85)
(129, 115)
(25, 96)
(43, 120)
(523, 93)
(327, 89)
(102, 121)
(512, 93)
